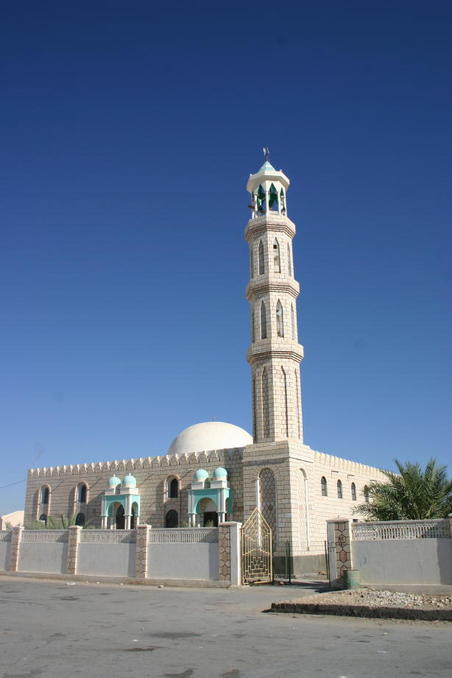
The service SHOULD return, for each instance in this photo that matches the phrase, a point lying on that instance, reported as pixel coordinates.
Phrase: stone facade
(296, 488)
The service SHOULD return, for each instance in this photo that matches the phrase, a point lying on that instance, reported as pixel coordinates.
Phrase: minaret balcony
(275, 349)
(272, 221)
(272, 282)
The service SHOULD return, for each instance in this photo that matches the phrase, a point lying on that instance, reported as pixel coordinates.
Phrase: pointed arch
(292, 322)
(289, 260)
(353, 490)
(253, 326)
(339, 489)
(286, 403)
(254, 409)
(261, 258)
(260, 200)
(276, 256)
(297, 389)
(265, 404)
(267, 497)
(279, 319)
(263, 320)
(273, 202)
(323, 486)
(282, 201)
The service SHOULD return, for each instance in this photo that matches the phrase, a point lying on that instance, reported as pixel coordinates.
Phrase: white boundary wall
(403, 552)
(200, 555)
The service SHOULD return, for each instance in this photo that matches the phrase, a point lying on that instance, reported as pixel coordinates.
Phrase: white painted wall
(183, 561)
(410, 561)
(4, 549)
(43, 557)
(114, 560)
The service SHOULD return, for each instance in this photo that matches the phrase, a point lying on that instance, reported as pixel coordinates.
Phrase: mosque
(215, 471)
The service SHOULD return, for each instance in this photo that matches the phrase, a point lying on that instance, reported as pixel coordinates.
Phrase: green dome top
(114, 481)
(266, 167)
(129, 481)
(220, 473)
(200, 475)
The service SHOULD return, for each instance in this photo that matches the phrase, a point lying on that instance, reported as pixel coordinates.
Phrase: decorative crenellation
(159, 462)
(347, 465)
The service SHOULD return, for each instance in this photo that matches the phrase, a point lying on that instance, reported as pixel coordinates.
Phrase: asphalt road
(57, 630)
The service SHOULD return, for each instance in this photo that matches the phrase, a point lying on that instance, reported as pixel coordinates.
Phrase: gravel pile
(373, 598)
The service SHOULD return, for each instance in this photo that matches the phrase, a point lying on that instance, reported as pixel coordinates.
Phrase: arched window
(80, 519)
(279, 319)
(353, 488)
(324, 487)
(292, 322)
(260, 201)
(260, 250)
(282, 199)
(273, 199)
(366, 494)
(263, 321)
(172, 519)
(297, 396)
(289, 259)
(286, 405)
(81, 493)
(43, 518)
(134, 516)
(45, 495)
(276, 257)
(252, 261)
(254, 410)
(173, 489)
(339, 489)
(265, 403)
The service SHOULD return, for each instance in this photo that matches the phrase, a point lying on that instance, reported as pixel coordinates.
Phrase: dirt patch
(367, 602)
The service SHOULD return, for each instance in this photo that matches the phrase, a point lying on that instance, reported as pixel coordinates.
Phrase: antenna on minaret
(266, 152)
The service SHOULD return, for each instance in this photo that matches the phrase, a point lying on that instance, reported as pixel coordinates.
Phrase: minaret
(274, 354)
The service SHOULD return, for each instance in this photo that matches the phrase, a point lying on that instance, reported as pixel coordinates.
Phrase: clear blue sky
(128, 132)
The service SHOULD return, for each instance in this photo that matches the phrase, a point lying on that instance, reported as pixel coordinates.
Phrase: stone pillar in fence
(16, 539)
(73, 541)
(229, 564)
(141, 554)
(341, 531)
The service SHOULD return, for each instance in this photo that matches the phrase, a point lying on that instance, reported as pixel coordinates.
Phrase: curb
(364, 611)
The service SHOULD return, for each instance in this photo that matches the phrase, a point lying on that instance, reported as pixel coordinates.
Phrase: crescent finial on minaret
(266, 152)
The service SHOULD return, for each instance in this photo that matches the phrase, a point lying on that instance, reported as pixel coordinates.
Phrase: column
(73, 542)
(229, 553)
(16, 539)
(141, 554)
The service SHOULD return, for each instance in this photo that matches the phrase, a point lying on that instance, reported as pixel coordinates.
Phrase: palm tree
(410, 494)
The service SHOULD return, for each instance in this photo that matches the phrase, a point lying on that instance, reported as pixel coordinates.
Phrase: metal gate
(256, 550)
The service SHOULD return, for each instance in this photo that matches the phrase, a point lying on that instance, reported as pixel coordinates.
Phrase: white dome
(210, 435)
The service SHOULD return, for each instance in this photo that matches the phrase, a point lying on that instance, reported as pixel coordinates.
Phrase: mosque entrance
(119, 517)
(210, 519)
(208, 513)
